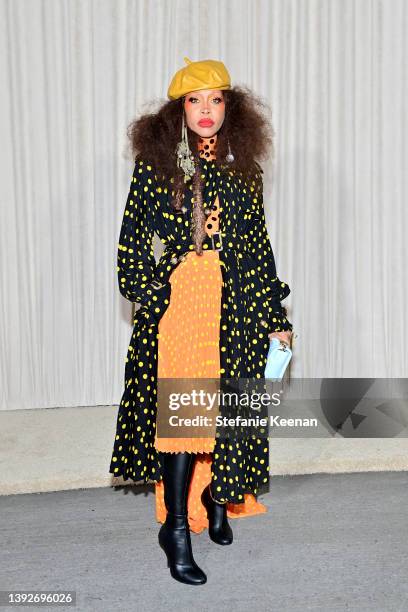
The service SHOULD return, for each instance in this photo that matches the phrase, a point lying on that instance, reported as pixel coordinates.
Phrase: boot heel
(219, 529)
(165, 552)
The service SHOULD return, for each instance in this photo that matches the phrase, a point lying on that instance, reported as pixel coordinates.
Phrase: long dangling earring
(185, 158)
(229, 157)
(198, 232)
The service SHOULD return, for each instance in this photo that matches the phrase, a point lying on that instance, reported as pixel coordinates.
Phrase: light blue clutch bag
(278, 358)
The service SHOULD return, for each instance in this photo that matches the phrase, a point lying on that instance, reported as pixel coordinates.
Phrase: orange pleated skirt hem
(185, 445)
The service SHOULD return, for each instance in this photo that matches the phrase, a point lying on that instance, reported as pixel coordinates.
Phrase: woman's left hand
(285, 336)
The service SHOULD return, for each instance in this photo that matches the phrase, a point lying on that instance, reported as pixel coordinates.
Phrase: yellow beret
(205, 74)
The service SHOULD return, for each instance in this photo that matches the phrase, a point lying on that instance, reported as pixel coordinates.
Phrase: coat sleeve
(136, 264)
(260, 248)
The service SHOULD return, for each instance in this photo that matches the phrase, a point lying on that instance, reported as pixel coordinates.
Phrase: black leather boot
(174, 534)
(219, 529)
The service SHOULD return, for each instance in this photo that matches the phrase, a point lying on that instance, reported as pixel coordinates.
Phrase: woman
(208, 307)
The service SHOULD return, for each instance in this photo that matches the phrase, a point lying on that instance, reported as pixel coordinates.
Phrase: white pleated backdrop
(73, 75)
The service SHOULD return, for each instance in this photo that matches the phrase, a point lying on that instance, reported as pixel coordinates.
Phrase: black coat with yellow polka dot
(250, 310)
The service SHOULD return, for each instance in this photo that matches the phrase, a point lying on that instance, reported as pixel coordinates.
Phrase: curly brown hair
(154, 137)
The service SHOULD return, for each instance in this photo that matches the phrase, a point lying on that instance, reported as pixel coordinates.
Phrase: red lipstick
(206, 122)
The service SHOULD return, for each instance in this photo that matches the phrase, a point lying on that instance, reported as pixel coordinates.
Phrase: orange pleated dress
(188, 347)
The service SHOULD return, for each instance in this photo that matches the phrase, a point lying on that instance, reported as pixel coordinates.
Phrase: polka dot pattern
(250, 309)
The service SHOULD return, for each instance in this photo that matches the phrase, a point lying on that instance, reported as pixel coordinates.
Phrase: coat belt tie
(218, 241)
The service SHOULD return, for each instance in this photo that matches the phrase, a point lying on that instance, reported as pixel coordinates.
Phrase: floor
(329, 542)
